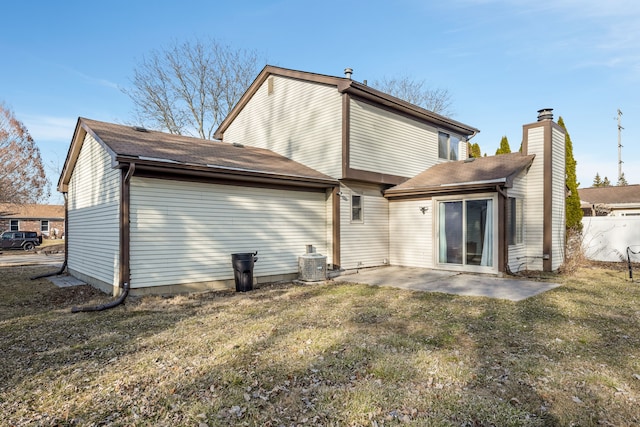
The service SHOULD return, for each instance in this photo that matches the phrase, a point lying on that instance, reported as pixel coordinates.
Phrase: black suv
(26, 240)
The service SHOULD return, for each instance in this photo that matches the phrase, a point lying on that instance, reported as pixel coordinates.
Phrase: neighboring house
(610, 201)
(47, 220)
(308, 159)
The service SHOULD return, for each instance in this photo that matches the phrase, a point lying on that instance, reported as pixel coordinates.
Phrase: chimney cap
(545, 114)
(347, 72)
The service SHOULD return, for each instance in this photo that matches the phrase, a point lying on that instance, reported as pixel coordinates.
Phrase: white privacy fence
(606, 238)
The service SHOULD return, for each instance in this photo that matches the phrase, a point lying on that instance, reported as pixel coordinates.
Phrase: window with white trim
(467, 232)
(448, 146)
(515, 215)
(357, 212)
(14, 225)
(44, 226)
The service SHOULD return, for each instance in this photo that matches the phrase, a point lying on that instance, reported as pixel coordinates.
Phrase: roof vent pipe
(545, 114)
(348, 72)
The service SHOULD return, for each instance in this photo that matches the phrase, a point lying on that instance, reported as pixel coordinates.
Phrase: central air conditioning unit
(312, 266)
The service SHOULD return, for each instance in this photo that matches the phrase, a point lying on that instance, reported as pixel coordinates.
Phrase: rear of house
(305, 159)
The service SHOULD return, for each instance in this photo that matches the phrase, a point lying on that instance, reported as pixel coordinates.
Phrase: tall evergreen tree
(474, 150)
(606, 182)
(504, 146)
(597, 181)
(573, 211)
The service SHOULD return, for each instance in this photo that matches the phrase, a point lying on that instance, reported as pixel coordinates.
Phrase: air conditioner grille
(312, 267)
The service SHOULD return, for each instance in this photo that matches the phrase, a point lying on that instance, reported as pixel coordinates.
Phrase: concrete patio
(422, 279)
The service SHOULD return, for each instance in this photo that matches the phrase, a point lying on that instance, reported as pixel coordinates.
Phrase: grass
(51, 242)
(329, 355)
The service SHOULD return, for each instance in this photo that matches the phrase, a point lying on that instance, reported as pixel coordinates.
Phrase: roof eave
(351, 87)
(357, 89)
(446, 188)
(220, 172)
(260, 79)
(79, 135)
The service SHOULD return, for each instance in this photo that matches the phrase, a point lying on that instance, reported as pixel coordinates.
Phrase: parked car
(26, 240)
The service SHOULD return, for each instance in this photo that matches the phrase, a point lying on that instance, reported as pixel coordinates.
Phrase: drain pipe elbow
(123, 277)
(55, 273)
(66, 256)
(106, 306)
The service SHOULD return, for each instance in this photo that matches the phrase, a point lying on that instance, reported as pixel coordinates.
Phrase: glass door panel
(465, 232)
(479, 235)
(450, 238)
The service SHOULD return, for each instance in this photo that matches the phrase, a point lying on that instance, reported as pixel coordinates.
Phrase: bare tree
(189, 88)
(417, 93)
(22, 175)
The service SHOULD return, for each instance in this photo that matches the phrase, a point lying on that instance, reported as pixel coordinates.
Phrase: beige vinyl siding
(462, 149)
(94, 205)
(517, 254)
(183, 233)
(558, 198)
(534, 207)
(384, 142)
(299, 120)
(411, 233)
(365, 243)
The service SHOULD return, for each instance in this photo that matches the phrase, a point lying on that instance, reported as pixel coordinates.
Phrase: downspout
(66, 245)
(505, 256)
(125, 232)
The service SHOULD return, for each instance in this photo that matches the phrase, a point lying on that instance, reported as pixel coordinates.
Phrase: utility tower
(619, 145)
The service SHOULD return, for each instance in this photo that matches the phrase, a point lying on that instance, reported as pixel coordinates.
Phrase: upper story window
(448, 146)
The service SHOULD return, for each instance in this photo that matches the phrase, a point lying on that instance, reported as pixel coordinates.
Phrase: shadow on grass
(326, 354)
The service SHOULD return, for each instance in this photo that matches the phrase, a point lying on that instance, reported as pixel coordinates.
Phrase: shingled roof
(182, 154)
(625, 194)
(465, 174)
(32, 211)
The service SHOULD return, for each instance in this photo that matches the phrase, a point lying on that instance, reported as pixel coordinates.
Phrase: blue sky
(501, 60)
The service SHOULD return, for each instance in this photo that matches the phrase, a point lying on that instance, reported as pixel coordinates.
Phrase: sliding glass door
(466, 233)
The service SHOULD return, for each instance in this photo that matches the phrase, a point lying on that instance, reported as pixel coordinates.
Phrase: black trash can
(243, 270)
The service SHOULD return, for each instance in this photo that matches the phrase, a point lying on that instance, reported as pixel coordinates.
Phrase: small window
(356, 208)
(448, 146)
(14, 226)
(515, 214)
(44, 226)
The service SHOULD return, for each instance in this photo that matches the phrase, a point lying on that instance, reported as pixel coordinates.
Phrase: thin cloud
(90, 79)
(49, 128)
(589, 33)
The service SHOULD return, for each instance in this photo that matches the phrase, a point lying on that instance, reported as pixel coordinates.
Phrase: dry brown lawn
(331, 354)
